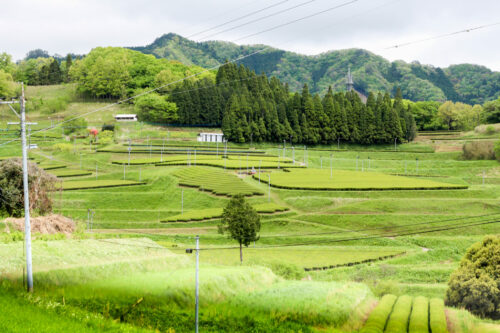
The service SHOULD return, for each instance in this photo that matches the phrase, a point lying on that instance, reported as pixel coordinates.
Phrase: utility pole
(27, 224)
(197, 289)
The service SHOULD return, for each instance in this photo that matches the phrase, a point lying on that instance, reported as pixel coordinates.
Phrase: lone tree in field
(11, 188)
(475, 285)
(241, 221)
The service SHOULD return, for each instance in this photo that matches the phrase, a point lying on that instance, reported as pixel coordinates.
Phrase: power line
(442, 228)
(298, 20)
(260, 19)
(442, 36)
(238, 18)
(386, 227)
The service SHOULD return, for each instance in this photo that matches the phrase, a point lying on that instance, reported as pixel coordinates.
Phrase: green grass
(215, 181)
(351, 180)
(295, 258)
(89, 184)
(377, 320)
(213, 213)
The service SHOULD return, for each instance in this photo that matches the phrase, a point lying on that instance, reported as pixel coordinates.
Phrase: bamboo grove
(251, 107)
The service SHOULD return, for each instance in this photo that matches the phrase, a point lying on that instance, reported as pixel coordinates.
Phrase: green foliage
(106, 137)
(492, 111)
(74, 125)
(11, 188)
(475, 285)
(497, 150)
(419, 318)
(215, 181)
(7, 85)
(253, 108)
(241, 221)
(119, 72)
(460, 116)
(62, 147)
(39, 71)
(156, 108)
(378, 318)
(398, 320)
(437, 318)
(478, 150)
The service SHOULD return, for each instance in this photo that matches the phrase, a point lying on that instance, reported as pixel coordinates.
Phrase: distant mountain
(472, 84)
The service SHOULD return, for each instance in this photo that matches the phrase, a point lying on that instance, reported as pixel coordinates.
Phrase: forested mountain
(471, 84)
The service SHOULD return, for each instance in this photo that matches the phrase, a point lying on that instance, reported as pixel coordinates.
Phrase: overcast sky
(62, 26)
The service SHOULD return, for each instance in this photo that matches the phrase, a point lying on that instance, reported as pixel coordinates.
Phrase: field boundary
(355, 263)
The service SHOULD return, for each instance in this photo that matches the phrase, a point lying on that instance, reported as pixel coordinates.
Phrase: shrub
(62, 147)
(106, 137)
(53, 105)
(490, 130)
(475, 285)
(11, 188)
(378, 317)
(398, 321)
(108, 127)
(497, 150)
(419, 319)
(478, 150)
(437, 319)
(74, 125)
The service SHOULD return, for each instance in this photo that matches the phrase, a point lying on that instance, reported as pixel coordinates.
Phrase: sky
(77, 26)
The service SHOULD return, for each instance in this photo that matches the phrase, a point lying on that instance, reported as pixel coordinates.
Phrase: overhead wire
(259, 19)
(443, 35)
(239, 18)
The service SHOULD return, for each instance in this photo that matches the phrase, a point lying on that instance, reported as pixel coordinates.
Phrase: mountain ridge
(469, 83)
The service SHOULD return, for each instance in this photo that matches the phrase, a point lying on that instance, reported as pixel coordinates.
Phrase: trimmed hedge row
(91, 184)
(213, 213)
(437, 318)
(419, 319)
(61, 173)
(324, 268)
(378, 318)
(403, 315)
(398, 320)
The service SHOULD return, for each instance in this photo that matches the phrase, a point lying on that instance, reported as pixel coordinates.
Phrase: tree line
(251, 107)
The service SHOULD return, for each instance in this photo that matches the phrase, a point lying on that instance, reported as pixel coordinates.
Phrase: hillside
(472, 84)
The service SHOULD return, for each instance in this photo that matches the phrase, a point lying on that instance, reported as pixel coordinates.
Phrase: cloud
(78, 25)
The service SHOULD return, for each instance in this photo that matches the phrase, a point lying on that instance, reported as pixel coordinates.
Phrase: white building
(210, 137)
(126, 117)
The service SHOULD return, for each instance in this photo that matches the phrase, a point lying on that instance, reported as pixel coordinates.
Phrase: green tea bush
(475, 285)
(398, 320)
(437, 318)
(378, 318)
(87, 184)
(419, 318)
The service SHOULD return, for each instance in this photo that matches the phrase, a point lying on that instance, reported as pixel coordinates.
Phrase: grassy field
(354, 226)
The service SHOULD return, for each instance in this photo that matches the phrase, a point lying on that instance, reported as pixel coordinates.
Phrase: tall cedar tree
(251, 107)
(241, 221)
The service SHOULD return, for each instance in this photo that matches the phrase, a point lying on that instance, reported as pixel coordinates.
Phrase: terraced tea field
(345, 180)
(215, 181)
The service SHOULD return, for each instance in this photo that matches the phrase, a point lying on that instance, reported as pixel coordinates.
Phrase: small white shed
(126, 117)
(210, 137)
